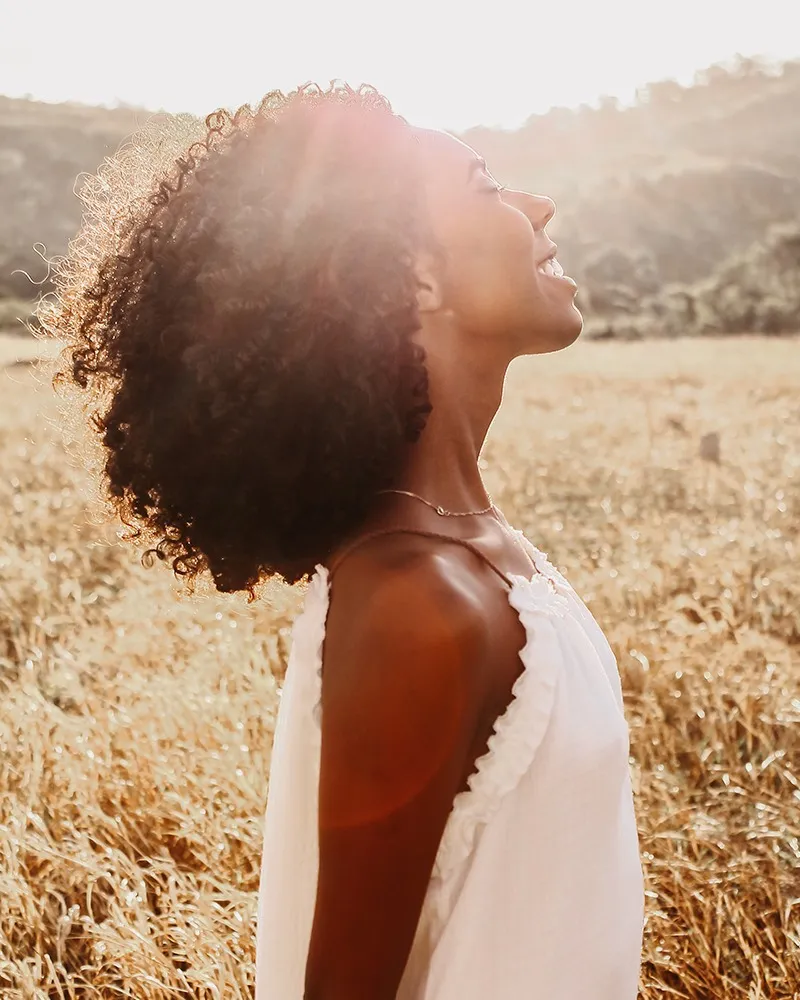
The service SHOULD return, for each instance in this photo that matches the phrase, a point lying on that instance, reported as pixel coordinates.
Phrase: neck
(465, 392)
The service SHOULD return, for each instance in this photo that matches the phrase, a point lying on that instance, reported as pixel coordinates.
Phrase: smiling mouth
(551, 268)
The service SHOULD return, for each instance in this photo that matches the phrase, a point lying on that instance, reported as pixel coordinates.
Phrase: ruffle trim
(541, 561)
(517, 732)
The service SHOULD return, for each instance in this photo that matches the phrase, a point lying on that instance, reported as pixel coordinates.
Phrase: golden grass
(135, 725)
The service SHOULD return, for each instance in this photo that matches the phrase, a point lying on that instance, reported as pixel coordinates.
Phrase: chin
(560, 332)
(572, 328)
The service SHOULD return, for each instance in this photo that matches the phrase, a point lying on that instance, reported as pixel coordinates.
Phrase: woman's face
(498, 279)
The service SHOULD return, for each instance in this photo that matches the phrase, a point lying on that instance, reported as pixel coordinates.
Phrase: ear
(429, 286)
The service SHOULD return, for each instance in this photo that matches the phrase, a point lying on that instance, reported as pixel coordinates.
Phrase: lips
(549, 265)
(551, 268)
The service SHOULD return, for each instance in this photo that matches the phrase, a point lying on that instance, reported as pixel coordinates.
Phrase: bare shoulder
(405, 642)
(379, 585)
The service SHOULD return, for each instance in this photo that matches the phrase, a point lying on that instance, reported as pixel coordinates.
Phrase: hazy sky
(441, 63)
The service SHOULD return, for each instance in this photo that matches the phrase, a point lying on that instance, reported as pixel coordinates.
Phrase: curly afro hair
(238, 316)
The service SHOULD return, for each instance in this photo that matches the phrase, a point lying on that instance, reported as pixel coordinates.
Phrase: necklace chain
(464, 513)
(441, 510)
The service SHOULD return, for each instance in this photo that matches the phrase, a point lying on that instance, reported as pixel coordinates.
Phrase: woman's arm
(399, 708)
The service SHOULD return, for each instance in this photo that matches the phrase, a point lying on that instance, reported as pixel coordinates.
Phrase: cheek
(492, 269)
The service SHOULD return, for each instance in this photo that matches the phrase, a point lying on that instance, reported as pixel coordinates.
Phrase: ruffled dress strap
(517, 732)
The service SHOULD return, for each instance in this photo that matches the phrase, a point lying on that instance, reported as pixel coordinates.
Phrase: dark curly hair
(239, 319)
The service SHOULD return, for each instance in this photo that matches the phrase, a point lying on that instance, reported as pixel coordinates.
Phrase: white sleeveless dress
(537, 889)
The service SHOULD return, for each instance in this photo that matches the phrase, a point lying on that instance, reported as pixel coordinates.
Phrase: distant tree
(662, 94)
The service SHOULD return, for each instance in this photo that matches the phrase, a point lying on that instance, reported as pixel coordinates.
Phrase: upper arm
(399, 710)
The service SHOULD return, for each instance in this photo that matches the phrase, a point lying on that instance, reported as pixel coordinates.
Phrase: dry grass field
(135, 724)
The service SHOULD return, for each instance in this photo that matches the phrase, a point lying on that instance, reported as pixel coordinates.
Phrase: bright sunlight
(444, 65)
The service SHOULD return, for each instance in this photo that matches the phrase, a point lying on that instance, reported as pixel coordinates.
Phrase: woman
(296, 343)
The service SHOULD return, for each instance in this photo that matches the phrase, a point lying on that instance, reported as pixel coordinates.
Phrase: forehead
(441, 154)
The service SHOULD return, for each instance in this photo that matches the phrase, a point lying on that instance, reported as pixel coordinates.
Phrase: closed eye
(478, 164)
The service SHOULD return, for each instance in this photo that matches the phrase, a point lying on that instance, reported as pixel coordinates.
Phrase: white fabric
(537, 889)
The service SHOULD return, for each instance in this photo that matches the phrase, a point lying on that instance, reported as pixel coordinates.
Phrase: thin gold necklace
(501, 521)
(441, 510)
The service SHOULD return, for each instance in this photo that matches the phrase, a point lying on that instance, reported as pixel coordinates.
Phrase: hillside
(676, 191)
(43, 149)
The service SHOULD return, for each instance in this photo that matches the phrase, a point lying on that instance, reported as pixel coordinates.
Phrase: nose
(538, 207)
(542, 210)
